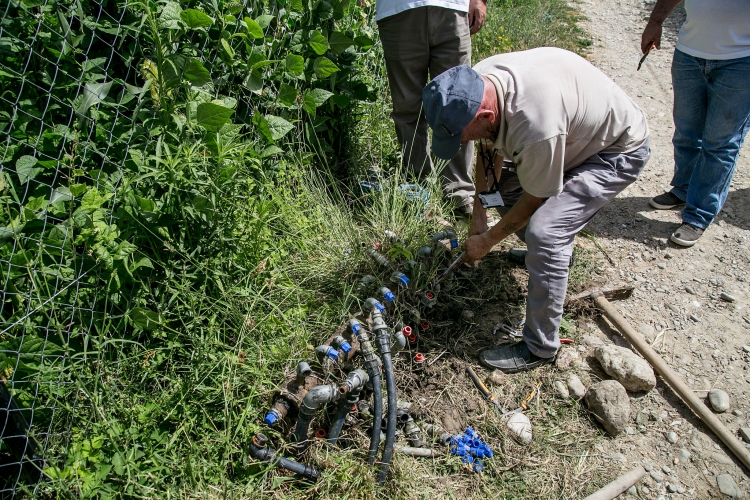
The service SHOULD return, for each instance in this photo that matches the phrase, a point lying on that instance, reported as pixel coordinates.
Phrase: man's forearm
(662, 9)
(516, 218)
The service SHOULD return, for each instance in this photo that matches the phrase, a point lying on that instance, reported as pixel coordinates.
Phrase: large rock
(609, 403)
(566, 359)
(719, 400)
(726, 485)
(633, 372)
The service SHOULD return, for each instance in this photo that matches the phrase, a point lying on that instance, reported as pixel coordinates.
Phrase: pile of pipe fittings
(349, 370)
(469, 446)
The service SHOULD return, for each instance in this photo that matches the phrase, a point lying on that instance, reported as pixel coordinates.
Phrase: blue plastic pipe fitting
(370, 305)
(446, 235)
(355, 326)
(400, 278)
(323, 351)
(387, 294)
(341, 344)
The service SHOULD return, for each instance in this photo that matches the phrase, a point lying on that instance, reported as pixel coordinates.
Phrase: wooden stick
(619, 485)
(674, 381)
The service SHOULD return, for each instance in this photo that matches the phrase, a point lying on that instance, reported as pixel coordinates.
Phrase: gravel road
(691, 304)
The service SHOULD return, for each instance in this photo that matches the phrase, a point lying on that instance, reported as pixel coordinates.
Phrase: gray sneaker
(665, 201)
(512, 358)
(687, 235)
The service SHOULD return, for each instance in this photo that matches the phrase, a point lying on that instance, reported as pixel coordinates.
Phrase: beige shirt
(557, 110)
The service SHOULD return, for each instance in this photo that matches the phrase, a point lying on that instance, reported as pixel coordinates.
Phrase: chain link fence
(89, 91)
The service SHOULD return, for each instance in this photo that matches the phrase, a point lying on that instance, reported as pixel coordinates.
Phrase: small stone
(618, 457)
(689, 290)
(608, 401)
(745, 433)
(648, 331)
(666, 469)
(737, 413)
(728, 486)
(629, 431)
(648, 467)
(632, 490)
(684, 455)
(632, 371)
(566, 359)
(520, 425)
(695, 318)
(575, 386)
(592, 341)
(721, 458)
(746, 348)
(561, 389)
(680, 490)
(661, 265)
(657, 476)
(673, 308)
(496, 378)
(725, 296)
(645, 490)
(671, 488)
(719, 400)
(467, 315)
(672, 437)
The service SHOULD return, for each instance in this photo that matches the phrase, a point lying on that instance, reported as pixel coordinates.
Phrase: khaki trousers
(417, 43)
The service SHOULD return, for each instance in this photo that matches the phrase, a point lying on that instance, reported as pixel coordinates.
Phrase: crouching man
(571, 139)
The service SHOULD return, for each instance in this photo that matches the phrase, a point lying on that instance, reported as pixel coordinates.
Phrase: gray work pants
(418, 42)
(550, 232)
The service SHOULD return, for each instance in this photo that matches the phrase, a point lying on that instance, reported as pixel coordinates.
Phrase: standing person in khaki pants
(422, 39)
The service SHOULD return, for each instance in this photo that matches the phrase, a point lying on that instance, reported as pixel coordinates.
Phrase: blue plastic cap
(454, 243)
(356, 327)
(332, 353)
(467, 459)
(479, 466)
(389, 296)
(271, 418)
(403, 279)
(379, 306)
(346, 347)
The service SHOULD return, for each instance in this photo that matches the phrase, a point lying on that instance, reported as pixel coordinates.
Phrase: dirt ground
(677, 304)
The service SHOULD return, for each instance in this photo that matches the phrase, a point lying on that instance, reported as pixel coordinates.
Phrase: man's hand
(651, 34)
(476, 247)
(478, 219)
(477, 15)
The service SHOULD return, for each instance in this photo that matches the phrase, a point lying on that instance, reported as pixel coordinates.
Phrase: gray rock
(632, 371)
(680, 490)
(661, 265)
(566, 359)
(671, 488)
(609, 403)
(618, 457)
(497, 377)
(745, 433)
(721, 458)
(728, 486)
(666, 469)
(725, 296)
(672, 437)
(629, 431)
(632, 490)
(648, 331)
(648, 467)
(683, 455)
(592, 341)
(689, 290)
(746, 348)
(657, 476)
(719, 400)
(645, 490)
(561, 389)
(575, 386)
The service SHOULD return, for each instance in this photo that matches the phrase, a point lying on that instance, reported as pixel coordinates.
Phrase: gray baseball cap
(451, 101)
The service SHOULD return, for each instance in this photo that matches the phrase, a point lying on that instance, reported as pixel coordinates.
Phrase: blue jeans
(711, 118)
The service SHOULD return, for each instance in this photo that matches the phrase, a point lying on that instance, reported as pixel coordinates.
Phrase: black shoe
(512, 358)
(687, 235)
(518, 255)
(665, 201)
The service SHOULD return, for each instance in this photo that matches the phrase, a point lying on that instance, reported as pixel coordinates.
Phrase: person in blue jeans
(711, 82)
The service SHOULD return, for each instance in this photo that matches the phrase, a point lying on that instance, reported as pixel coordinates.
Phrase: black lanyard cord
(488, 162)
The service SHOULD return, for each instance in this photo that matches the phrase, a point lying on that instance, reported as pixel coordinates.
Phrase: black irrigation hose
(377, 416)
(260, 451)
(338, 421)
(390, 433)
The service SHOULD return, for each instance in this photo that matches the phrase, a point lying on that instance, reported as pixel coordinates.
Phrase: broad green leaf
(279, 126)
(212, 116)
(228, 50)
(319, 96)
(170, 16)
(287, 94)
(324, 67)
(264, 21)
(318, 42)
(25, 168)
(339, 42)
(295, 64)
(324, 11)
(195, 18)
(196, 73)
(254, 81)
(296, 5)
(270, 151)
(263, 64)
(60, 193)
(364, 41)
(93, 94)
(145, 319)
(233, 7)
(262, 125)
(253, 28)
(308, 104)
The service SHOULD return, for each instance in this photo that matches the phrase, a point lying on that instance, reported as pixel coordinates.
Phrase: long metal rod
(674, 381)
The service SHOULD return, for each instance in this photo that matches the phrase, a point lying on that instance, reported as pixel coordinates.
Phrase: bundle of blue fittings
(471, 449)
